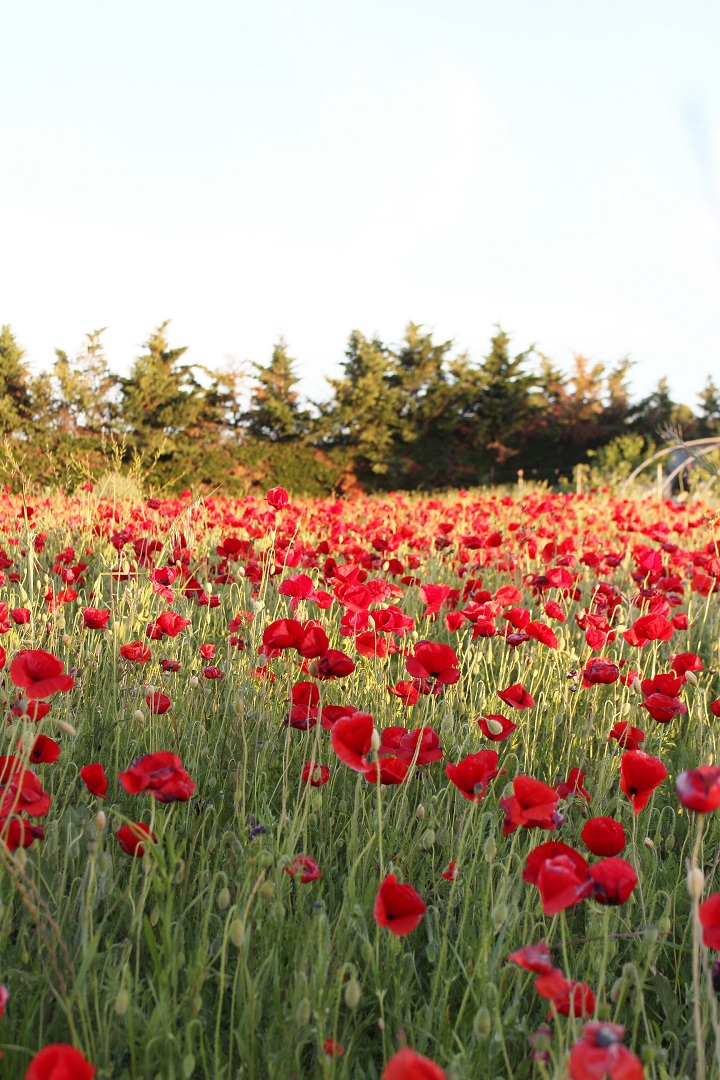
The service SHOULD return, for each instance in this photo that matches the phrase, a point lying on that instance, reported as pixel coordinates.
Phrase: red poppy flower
(315, 775)
(167, 624)
(20, 615)
(516, 697)
(398, 906)
(600, 1055)
(39, 673)
(44, 750)
(684, 662)
(210, 671)
(58, 1061)
(94, 779)
(20, 790)
(390, 739)
(95, 618)
(406, 1064)
(453, 871)
(16, 832)
(496, 727)
(333, 665)
(392, 771)
(710, 919)
(158, 703)
(567, 997)
(306, 867)
(715, 707)
(543, 633)
(351, 738)
(407, 692)
(277, 497)
(309, 638)
(433, 660)
(472, 775)
(627, 736)
(599, 670)
(532, 805)
(162, 774)
(653, 627)
(207, 651)
(136, 651)
(640, 774)
(550, 850)
(562, 883)
(330, 714)
(603, 836)
(170, 665)
(33, 710)
(573, 786)
(132, 838)
(333, 1048)
(535, 958)
(421, 746)
(699, 789)
(553, 610)
(663, 708)
(612, 881)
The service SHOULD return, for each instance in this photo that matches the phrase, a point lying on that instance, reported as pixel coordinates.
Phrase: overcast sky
(305, 168)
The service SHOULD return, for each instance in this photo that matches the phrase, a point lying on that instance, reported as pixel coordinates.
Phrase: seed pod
(353, 993)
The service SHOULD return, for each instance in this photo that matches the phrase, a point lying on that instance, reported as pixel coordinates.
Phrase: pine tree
(709, 418)
(161, 399)
(503, 402)
(420, 375)
(364, 412)
(275, 411)
(15, 400)
(85, 387)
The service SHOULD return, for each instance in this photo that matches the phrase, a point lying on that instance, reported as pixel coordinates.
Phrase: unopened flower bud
(691, 677)
(122, 1002)
(67, 729)
(375, 740)
(490, 849)
(420, 812)
(193, 680)
(482, 1024)
(237, 932)
(428, 840)
(100, 820)
(303, 1012)
(188, 1066)
(223, 898)
(649, 843)
(353, 993)
(695, 882)
(494, 727)
(267, 890)
(139, 715)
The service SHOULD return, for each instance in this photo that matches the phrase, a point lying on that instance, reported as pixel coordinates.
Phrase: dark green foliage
(416, 415)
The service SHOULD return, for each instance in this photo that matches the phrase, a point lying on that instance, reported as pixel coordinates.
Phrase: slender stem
(697, 935)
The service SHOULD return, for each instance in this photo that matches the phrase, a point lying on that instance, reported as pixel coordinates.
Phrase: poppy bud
(627, 707)
(237, 933)
(691, 677)
(649, 843)
(499, 915)
(428, 840)
(651, 935)
(188, 1066)
(267, 891)
(664, 925)
(420, 812)
(366, 951)
(67, 729)
(482, 1024)
(490, 849)
(381, 1024)
(277, 911)
(100, 820)
(193, 680)
(375, 740)
(495, 727)
(353, 993)
(695, 882)
(670, 842)
(67, 640)
(266, 859)
(303, 1012)
(21, 859)
(223, 899)
(139, 715)
(637, 685)
(121, 1002)
(617, 989)
(155, 916)
(316, 802)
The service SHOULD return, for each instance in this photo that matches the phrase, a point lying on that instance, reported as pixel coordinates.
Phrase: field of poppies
(395, 787)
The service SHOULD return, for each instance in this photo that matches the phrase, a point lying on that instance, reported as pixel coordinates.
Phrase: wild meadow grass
(204, 957)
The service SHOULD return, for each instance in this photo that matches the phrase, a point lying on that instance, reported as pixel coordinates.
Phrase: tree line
(418, 415)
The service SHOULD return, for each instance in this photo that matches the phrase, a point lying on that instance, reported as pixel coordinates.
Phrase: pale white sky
(308, 168)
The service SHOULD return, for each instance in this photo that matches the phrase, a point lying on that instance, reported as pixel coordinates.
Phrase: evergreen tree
(275, 411)
(420, 375)
(503, 402)
(85, 385)
(161, 398)
(364, 412)
(15, 399)
(709, 418)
